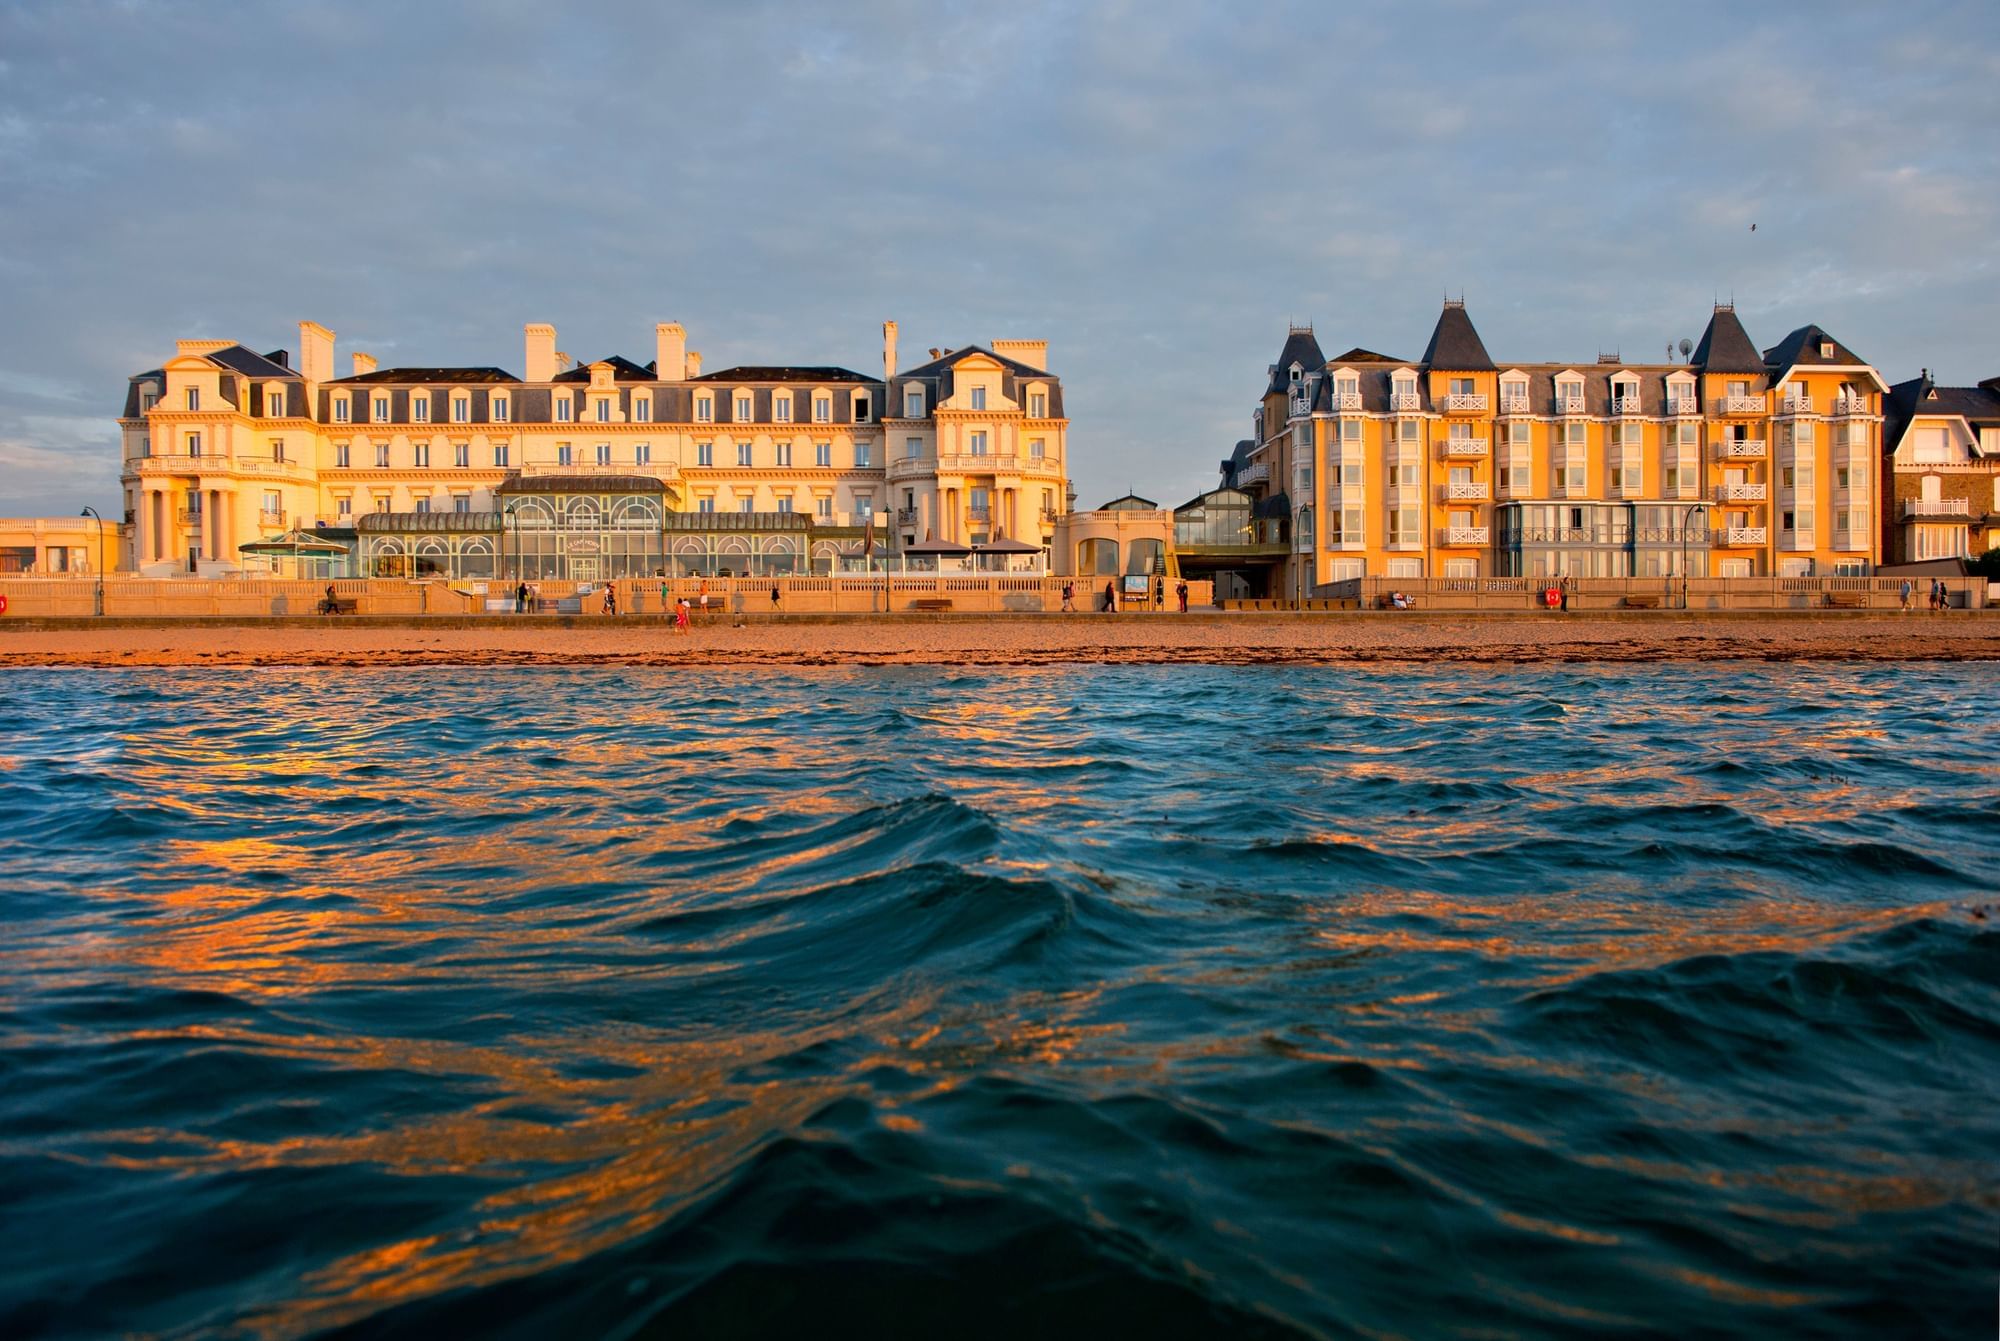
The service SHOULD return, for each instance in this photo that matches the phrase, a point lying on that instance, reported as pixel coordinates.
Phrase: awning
(293, 542)
(1005, 546)
(937, 547)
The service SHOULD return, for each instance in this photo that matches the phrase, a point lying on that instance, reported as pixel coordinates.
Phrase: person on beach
(521, 599)
(1180, 591)
(1069, 597)
(681, 616)
(704, 598)
(1110, 598)
(1906, 596)
(1562, 585)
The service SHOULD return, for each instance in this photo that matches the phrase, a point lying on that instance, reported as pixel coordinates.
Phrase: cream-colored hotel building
(588, 470)
(1736, 462)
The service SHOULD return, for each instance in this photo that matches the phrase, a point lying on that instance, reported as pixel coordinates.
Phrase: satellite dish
(1687, 346)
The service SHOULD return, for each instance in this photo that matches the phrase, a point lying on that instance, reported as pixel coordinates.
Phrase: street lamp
(517, 540)
(1686, 518)
(98, 565)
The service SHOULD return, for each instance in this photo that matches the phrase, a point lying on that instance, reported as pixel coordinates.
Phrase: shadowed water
(1137, 1001)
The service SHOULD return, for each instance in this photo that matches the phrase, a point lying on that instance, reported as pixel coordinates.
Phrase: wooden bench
(1847, 600)
(932, 603)
(340, 605)
(1646, 602)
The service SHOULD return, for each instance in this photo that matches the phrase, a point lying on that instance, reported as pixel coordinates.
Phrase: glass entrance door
(583, 568)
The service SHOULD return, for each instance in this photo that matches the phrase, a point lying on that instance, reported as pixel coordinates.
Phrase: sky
(1156, 189)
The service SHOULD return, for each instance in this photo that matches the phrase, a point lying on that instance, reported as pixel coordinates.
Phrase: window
(1402, 526)
(863, 453)
(861, 407)
(706, 504)
(704, 410)
(704, 453)
(340, 460)
(978, 444)
(421, 453)
(912, 448)
(781, 409)
(979, 398)
(381, 502)
(864, 508)
(1350, 474)
(194, 398)
(420, 409)
(913, 403)
(145, 444)
(785, 504)
(565, 409)
(1404, 475)
(381, 415)
(423, 502)
(642, 454)
(823, 507)
(277, 449)
(743, 409)
(1306, 433)
(272, 503)
(823, 454)
(500, 455)
(194, 444)
(746, 504)
(461, 502)
(1461, 386)
(603, 453)
(381, 456)
(783, 452)
(742, 453)
(1406, 432)
(461, 409)
(340, 409)
(642, 409)
(343, 507)
(499, 404)
(604, 409)
(1840, 482)
(1037, 449)
(461, 455)
(822, 409)
(1038, 405)
(147, 400)
(562, 454)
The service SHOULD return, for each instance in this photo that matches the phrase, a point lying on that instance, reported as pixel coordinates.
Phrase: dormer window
(822, 409)
(1297, 373)
(913, 402)
(461, 409)
(781, 408)
(604, 409)
(274, 401)
(420, 409)
(1038, 405)
(565, 409)
(194, 398)
(499, 404)
(861, 407)
(642, 409)
(743, 409)
(1826, 349)
(381, 409)
(704, 410)
(979, 398)
(340, 409)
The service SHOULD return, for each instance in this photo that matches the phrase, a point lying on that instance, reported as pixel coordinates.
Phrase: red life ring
(1552, 596)
(3, 605)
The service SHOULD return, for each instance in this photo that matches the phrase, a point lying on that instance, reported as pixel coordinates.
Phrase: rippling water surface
(1137, 1001)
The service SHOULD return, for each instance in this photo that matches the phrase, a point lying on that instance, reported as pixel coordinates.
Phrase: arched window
(583, 514)
(1097, 556)
(1140, 554)
(635, 514)
(533, 514)
(475, 557)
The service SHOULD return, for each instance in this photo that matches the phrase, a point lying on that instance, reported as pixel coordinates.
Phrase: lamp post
(98, 566)
(1686, 518)
(516, 571)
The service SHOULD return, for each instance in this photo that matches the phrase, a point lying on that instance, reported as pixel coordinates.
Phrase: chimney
(670, 344)
(363, 363)
(694, 363)
(1034, 353)
(540, 358)
(315, 352)
(888, 351)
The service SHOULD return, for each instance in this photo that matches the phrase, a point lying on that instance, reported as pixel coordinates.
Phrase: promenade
(1031, 640)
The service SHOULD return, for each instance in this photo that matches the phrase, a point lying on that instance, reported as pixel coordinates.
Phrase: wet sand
(1016, 641)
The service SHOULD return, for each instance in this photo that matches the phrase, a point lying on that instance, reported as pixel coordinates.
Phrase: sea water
(1164, 1001)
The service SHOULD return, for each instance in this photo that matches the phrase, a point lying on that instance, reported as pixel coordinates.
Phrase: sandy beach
(1014, 641)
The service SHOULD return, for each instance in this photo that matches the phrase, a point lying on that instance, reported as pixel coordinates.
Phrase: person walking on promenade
(704, 598)
(1906, 596)
(521, 599)
(610, 598)
(681, 616)
(774, 598)
(1069, 597)
(1111, 598)
(1180, 590)
(1562, 585)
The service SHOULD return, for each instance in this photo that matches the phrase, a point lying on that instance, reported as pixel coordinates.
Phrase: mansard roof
(580, 484)
(1978, 405)
(1300, 348)
(428, 376)
(1801, 349)
(787, 373)
(622, 370)
(251, 364)
(1455, 346)
(1725, 346)
(943, 362)
(1360, 355)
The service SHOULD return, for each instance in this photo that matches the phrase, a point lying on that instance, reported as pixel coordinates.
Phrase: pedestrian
(1180, 590)
(1562, 585)
(1111, 598)
(666, 606)
(1906, 596)
(610, 598)
(704, 598)
(1069, 597)
(1943, 598)
(521, 599)
(1159, 592)
(774, 598)
(681, 615)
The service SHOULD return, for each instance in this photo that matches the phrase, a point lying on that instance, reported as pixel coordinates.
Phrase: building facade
(1941, 471)
(1735, 463)
(224, 446)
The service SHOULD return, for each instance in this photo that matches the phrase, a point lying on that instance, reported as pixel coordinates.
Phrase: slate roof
(580, 484)
(1300, 348)
(1801, 349)
(1360, 355)
(622, 370)
(434, 523)
(942, 363)
(1978, 405)
(251, 364)
(428, 376)
(762, 373)
(1725, 346)
(1455, 346)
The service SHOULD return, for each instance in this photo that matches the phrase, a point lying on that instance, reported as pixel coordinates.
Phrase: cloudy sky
(1156, 189)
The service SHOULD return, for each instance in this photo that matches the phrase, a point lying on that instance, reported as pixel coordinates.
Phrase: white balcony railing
(1743, 535)
(1795, 404)
(1347, 400)
(1465, 402)
(1845, 405)
(1738, 449)
(1743, 404)
(1683, 407)
(1449, 447)
(266, 517)
(1405, 401)
(1513, 405)
(1937, 507)
(1257, 473)
(1569, 405)
(1463, 491)
(1740, 493)
(1466, 535)
(1625, 405)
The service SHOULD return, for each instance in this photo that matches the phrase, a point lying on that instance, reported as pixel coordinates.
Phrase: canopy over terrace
(310, 553)
(939, 556)
(582, 527)
(1001, 555)
(429, 544)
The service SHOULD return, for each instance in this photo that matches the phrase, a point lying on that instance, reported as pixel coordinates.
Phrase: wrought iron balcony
(1256, 473)
(906, 516)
